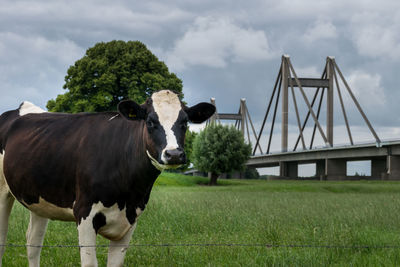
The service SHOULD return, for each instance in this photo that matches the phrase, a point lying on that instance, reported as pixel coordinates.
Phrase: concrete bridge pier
(288, 169)
(335, 169)
(378, 168)
(393, 167)
(327, 169)
(320, 169)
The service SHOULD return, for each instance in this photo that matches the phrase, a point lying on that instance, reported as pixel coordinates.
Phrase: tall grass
(282, 213)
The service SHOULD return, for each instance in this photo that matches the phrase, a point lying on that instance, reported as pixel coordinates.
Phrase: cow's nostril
(168, 155)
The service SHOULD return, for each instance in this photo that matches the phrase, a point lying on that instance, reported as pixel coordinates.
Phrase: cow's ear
(200, 112)
(131, 110)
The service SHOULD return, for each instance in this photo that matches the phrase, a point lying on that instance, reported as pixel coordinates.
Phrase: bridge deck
(385, 159)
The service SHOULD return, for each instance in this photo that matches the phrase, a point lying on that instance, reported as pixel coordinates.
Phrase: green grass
(182, 210)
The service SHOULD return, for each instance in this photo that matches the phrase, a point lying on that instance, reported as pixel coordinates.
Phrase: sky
(223, 49)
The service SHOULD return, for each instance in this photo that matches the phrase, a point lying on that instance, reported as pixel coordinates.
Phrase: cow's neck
(146, 167)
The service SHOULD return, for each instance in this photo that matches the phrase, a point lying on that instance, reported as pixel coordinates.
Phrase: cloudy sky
(223, 49)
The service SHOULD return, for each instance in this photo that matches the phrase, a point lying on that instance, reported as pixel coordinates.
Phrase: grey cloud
(40, 39)
(215, 42)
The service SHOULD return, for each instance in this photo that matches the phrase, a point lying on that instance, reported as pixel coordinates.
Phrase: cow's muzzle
(164, 166)
(174, 156)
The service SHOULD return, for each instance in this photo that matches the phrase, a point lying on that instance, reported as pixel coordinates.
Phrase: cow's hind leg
(117, 249)
(34, 238)
(6, 203)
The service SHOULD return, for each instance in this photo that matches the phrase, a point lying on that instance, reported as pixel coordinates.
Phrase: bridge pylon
(242, 120)
(285, 84)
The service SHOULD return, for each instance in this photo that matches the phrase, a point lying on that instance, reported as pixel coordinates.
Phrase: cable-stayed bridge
(330, 159)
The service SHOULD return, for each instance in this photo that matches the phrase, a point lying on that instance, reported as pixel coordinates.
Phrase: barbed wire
(212, 245)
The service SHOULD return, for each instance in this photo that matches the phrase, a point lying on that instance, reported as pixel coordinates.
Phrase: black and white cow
(96, 169)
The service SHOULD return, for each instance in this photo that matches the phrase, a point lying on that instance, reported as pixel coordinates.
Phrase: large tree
(220, 149)
(110, 72)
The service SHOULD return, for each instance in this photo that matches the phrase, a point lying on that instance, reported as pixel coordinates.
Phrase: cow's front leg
(87, 243)
(34, 238)
(117, 249)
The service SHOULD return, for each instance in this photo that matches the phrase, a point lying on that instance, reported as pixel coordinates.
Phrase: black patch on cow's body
(75, 160)
(99, 220)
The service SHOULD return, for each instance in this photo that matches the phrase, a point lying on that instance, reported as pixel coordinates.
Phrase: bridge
(330, 160)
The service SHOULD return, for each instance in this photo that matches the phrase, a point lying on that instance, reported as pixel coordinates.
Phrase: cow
(96, 169)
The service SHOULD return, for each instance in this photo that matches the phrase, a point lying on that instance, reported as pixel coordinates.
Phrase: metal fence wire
(316, 246)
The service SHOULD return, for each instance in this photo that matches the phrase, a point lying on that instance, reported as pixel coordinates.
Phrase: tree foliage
(220, 149)
(189, 140)
(110, 72)
(251, 173)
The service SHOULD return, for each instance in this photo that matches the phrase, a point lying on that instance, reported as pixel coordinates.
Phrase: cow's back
(49, 156)
(9, 117)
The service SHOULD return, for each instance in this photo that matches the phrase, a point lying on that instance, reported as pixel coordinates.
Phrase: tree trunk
(213, 178)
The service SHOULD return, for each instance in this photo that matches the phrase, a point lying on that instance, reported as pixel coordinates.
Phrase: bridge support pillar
(378, 168)
(335, 169)
(288, 169)
(393, 168)
(320, 169)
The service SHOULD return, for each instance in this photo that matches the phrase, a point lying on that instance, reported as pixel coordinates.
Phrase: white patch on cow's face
(27, 108)
(117, 224)
(51, 211)
(167, 106)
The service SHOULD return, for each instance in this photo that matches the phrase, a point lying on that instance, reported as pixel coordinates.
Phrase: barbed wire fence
(316, 246)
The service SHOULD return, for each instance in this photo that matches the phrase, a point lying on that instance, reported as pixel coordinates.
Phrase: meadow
(267, 223)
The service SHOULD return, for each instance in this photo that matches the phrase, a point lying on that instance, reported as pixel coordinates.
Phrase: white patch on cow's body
(27, 108)
(34, 238)
(117, 249)
(87, 242)
(4, 189)
(49, 210)
(6, 203)
(139, 211)
(117, 223)
(117, 229)
(167, 106)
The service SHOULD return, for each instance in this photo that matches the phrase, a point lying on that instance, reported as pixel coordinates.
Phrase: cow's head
(166, 119)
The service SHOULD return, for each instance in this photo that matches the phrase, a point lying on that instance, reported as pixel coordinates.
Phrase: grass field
(280, 213)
